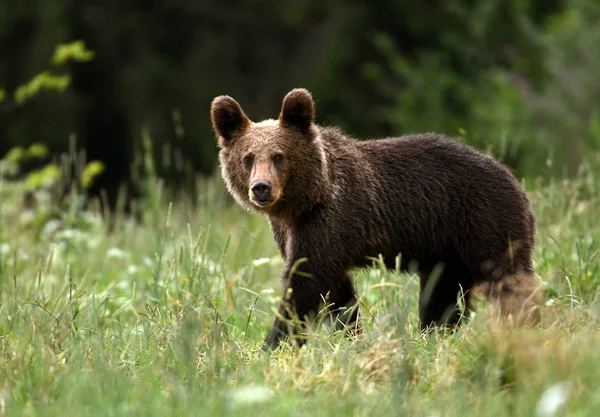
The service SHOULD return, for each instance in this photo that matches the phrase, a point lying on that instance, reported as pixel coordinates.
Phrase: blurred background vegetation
(518, 78)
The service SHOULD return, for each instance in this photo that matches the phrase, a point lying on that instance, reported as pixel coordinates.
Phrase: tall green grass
(165, 316)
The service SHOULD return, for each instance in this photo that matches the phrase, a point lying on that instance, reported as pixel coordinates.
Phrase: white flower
(261, 261)
(27, 216)
(5, 249)
(123, 285)
(92, 218)
(148, 262)
(115, 253)
(94, 242)
(69, 234)
(553, 398)
(251, 394)
(51, 227)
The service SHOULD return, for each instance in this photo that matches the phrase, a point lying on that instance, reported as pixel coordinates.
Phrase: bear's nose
(262, 191)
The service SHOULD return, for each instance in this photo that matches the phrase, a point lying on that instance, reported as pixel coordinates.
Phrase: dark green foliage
(490, 68)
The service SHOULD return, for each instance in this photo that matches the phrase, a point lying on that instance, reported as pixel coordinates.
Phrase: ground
(166, 317)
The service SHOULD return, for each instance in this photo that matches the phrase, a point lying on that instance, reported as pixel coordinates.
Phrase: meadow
(105, 314)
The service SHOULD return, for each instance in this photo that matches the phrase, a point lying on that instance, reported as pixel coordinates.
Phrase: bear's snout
(262, 191)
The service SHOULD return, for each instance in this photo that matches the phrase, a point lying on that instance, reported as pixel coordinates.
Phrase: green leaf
(42, 81)
(37, 150)
(43, 177)
(90, 172)
(15, 155)
(74, 51)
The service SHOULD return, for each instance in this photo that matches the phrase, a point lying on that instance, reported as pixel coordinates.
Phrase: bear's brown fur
(333, 202)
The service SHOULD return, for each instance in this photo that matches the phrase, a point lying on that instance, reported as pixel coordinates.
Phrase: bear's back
(445, 196)
(440, 167)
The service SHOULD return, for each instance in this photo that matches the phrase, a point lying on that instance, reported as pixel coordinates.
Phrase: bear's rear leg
(517, 296)
(440, 291)
(345, 307)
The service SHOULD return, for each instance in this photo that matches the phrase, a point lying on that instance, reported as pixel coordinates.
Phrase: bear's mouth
(263, 203)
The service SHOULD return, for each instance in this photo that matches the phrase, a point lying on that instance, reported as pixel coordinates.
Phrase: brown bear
(455, 215)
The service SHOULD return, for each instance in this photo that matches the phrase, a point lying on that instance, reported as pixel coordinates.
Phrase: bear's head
(274, 165)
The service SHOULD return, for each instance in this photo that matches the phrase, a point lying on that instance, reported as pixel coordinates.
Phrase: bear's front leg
(306, 293)
(302, 299)
(315, 275)
(281, 329)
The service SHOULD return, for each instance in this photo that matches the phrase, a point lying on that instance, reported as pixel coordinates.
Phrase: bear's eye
(248, 160)
(278, 158)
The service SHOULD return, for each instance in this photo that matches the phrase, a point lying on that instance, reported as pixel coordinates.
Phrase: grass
(164, 316)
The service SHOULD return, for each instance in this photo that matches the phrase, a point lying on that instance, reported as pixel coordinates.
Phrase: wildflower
(261, 261)
(251, 394)
(115, 253)
(553, 399)
(5, 249)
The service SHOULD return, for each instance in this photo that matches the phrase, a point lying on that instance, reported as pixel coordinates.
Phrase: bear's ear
(227, 118)
(298, 110)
